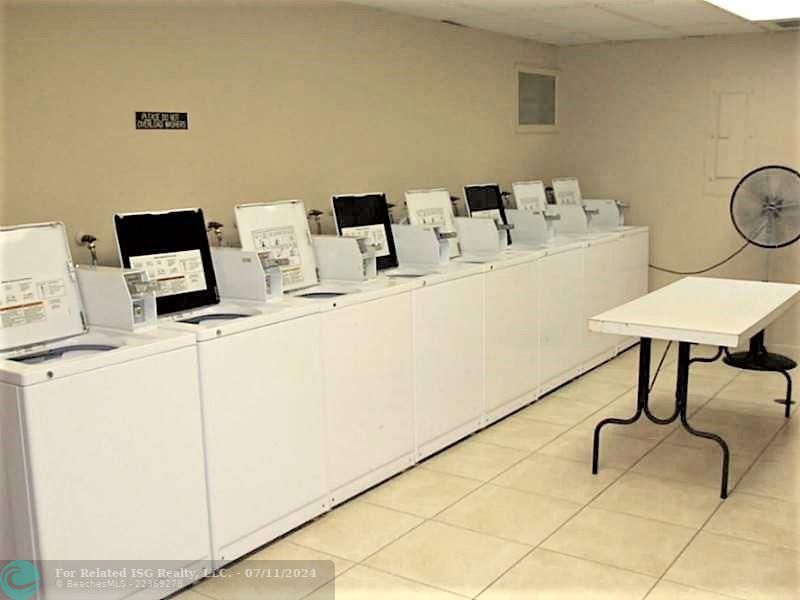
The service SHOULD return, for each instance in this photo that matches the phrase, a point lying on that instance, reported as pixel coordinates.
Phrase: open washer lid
(567, 191)
(432, 208)
(40, 300)
(172, 246)
(485, 200)
(367, 215)
(530, 195)
(282, 228)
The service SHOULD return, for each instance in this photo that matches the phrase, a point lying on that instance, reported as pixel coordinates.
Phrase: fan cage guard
(739, 185)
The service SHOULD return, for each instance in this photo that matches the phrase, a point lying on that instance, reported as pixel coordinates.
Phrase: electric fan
(765, 209)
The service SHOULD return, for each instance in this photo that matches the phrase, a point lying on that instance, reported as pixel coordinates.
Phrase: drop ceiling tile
(717, 28)
(597, 23)
(671, 13)
(569, 22)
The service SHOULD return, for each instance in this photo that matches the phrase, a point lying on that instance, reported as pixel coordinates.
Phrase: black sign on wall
(161, 120)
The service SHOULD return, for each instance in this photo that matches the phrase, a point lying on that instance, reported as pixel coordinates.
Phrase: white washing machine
(260, 384)
(433, 209)
(365, 346)
(449, 341)
(100, 430)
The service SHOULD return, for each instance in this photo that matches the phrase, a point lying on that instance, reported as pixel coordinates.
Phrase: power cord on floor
(660, 364)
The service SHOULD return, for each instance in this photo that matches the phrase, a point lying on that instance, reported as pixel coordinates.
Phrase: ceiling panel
(567, 22)
(672, 13)
(597, 23)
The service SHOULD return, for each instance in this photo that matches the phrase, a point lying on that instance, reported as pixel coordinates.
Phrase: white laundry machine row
(307, 399)
(490, 338)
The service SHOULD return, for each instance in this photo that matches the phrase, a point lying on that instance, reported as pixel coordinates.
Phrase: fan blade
(764, 206)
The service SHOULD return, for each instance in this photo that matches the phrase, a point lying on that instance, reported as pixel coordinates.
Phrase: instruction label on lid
(375, 234)
(281, 243)
(431, 217)
(492, 213)
(25, 301)
(173, 272)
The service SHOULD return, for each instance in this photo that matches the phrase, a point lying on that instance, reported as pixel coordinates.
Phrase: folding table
(695, 310)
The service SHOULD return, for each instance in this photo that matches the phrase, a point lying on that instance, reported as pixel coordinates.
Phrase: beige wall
(309, 101)
(636, 120)
(283, 103)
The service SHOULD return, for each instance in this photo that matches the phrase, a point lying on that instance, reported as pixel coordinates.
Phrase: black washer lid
(172, 246)
(367, 215)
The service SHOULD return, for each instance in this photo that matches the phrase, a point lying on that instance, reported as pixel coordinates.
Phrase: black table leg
(681, 405)
(645, 346)
(682, 397)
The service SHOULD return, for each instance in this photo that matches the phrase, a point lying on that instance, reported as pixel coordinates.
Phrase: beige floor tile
(667, 590)
(612, 374)
(628, 361)
(595, 392)
(239, 586)
(520, 433)
(699, 385)
(701, 466)
(643, 429)
(624, 541)
(776, 479)
(759, 382)
(758, 519)
(189, 595)
(661, 403)
(510, 514)
(558, 478)
(449, 557)
(738, 568)
(363, 583)
(421, 491)
(782, 453)
(355, 530)
(671, 501)
(475, 460)
(286, 550)
(715, 370)
(745, 432)
(544, 575)
(616, 451)
(760, 407)
(786, 444)
(562, 410)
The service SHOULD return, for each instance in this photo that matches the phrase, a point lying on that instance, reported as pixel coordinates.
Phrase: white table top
(718, 312)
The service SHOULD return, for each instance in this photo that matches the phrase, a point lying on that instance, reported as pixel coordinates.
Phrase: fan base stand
(758, 359)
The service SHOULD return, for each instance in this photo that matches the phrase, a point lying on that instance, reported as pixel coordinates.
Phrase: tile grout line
(720, 504)
(483, 484)
(579, 511)
(529, 454)
(694, 587)
(588, 504)
(622, 474)
(431, 519)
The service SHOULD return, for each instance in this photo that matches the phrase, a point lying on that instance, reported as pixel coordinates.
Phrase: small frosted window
(537, 99)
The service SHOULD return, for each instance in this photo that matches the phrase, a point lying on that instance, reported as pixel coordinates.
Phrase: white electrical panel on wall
(729, 149)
